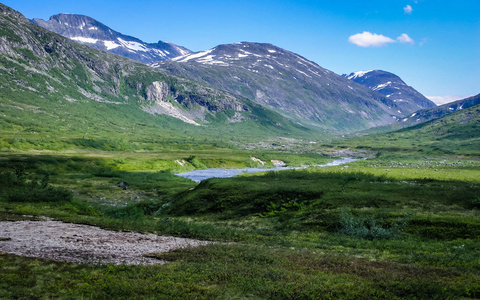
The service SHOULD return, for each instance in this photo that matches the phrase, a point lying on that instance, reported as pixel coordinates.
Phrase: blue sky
(433, 45)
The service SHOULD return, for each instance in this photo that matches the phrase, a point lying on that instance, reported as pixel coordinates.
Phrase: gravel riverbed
(85, 244)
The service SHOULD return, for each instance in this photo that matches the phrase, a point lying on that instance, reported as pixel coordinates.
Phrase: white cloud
(404, 38)
(368, 39)
(408, 9)
(439, 100)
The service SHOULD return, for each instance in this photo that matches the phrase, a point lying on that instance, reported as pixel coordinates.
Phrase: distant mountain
(428, 114)
(51, 84)
(91, 32)
(425, 115)
(394, 88)
(457, 133)
(454, 134)
(288, 83)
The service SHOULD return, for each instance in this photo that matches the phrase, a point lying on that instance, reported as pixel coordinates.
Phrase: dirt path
(84, 244)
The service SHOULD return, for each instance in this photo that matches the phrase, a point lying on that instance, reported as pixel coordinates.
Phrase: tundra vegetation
(402, 225)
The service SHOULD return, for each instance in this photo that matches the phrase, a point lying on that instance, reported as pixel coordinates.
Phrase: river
(199, 175)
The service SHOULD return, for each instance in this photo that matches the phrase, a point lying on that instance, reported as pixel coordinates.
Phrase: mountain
(394, 88)
(91, 32)
(53, 89)
(432, 113)
(288, 83)
(457, 133)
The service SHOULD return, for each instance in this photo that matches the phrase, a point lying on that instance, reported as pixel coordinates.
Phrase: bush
(444, 228)
(80, 208)
(475, 203)
(368, 228)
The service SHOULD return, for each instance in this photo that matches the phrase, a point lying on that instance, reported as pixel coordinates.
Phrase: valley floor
(393, 227)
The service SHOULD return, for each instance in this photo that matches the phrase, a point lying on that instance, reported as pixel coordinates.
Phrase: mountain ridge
(432, 113)
(425, 115)
(86, 30)
(44, 71)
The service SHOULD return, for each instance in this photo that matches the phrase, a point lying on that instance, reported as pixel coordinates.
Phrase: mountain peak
(86, 30)
(357, 74)
(253, 56)
(394, 88)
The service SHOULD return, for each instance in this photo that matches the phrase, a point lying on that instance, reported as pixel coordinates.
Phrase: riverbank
(203, 174)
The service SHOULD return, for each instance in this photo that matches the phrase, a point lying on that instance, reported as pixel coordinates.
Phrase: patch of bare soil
(85, 244)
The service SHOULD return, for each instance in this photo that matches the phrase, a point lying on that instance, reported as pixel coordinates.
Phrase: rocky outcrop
(157, 91)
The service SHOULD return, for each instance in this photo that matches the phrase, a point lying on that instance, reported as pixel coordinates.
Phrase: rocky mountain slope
(91, 32)
(288, 83)
(394, 88)
(51, 83)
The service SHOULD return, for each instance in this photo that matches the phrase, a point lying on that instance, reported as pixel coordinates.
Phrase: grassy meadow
(402, 224)
(388, 227)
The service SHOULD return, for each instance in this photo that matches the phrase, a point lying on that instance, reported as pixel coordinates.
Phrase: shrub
(367, 228)
(475, 203)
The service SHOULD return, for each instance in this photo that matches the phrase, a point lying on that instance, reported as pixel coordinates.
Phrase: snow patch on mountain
(358, 74)
(381, 86)
(134, 46)
(84, 39)
(188, 57)
(110, 45)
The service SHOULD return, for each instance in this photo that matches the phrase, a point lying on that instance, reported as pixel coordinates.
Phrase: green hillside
(425, 115)
(457, 133)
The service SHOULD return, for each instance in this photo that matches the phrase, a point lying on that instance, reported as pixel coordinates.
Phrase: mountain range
(52, 84)
(265, 74)
(253, 84)
(287, 83)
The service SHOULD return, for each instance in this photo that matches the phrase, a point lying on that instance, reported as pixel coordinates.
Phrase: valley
(93, 141)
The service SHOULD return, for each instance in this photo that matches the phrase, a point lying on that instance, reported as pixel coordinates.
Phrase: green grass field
(403, 223)
(382, 228)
